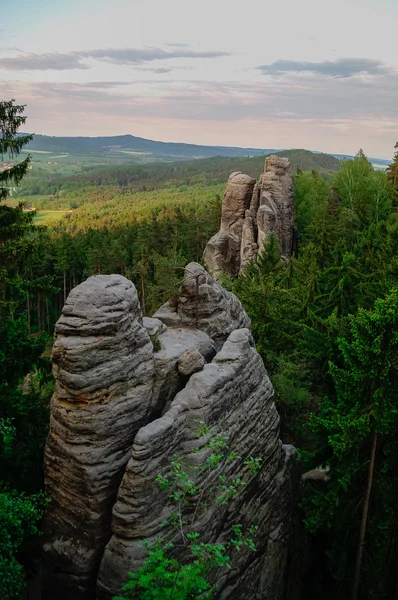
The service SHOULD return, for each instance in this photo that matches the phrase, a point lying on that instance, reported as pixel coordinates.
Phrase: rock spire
(250, 213)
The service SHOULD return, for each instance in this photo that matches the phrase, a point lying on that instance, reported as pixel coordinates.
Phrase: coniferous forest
(325, 323)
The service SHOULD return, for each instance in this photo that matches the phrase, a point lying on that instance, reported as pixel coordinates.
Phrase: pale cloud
(342, 68)
(230, 101)
(122, 56)
(178, 45)
(42, 62)
(101, 84)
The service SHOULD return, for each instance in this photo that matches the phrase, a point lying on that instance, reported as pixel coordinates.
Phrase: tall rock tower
(250, 213)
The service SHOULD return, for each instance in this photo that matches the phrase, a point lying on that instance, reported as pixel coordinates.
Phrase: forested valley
(325, 323)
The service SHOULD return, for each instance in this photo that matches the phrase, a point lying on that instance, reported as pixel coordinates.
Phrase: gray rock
(202, 303)
(123, 407)
(266, 224)
(233, 396)
(191, 361)
(153, 326)
(175, 343)
(277, 184)
(222, 254)
(243, 232)
(249, 247)
(103, 366)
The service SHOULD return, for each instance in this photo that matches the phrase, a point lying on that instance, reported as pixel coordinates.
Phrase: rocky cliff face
(120, 412)
(250, 213)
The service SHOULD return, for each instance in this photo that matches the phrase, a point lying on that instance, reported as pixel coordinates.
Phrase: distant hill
(299, 159)
(136, 147)
(49, 178)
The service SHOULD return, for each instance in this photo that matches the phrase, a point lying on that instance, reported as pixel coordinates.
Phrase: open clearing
(45, 217)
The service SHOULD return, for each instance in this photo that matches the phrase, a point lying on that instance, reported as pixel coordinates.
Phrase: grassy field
(45, 159)
(49, 217)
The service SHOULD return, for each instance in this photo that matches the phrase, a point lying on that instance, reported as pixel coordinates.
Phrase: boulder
(190, 362)
(153, 326)
(175, 343)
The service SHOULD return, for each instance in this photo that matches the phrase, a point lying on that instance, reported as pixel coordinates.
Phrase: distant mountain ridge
(126, 144)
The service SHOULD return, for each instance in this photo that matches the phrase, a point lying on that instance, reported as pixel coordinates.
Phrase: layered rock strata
(129, 394)
(233, 396)
(250, 213)
(104, 367)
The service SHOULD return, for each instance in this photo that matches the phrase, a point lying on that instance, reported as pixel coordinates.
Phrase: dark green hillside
(311, 161)
(48, 179)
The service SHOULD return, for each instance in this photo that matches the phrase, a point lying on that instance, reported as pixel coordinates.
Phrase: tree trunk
(47, 316)
(142, 295)
(39, 310)
(364, 520)
(197, 243)
(28, 311)
(64, 287)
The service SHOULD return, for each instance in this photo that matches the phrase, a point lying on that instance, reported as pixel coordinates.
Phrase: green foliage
(164, 577)
(366, 403)
(392, 169)
(71, 182)
(11, 145)
(335, 374)
(23, 402)
(186, 571)
(20, 516)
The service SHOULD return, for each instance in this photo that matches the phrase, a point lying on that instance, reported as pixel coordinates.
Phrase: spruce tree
(392, 169)
(11, 144)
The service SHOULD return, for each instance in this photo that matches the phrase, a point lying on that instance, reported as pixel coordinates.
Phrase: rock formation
(129, 394)
(103, 366)
(202, 303)
(250, 213)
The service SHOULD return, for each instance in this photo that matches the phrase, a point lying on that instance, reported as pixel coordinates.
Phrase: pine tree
(11, 144)
(392, 170)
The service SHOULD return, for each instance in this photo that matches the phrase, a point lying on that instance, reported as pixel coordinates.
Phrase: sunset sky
(313, 74)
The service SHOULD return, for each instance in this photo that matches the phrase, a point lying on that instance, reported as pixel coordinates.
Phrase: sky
(314, 74)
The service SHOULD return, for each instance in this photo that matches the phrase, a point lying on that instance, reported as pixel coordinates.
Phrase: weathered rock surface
(153, 326)
(103, 366)
(190, 362)
(232, 395)
(125, 404)
(250, 213)
(223, 250)
(277, 193)
(174, 343)
(204, 304)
